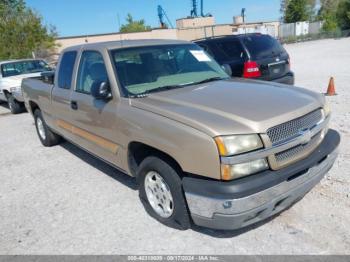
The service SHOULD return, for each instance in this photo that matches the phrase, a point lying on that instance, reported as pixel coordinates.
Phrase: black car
(251, 56)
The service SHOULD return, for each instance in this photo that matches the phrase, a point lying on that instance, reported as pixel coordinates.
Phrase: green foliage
(335, 14)
(330, 22)
(343, 14)
(133, 26)
(298, 10)
(22, 31)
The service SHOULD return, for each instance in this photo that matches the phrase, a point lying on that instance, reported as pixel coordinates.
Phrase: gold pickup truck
(205, 148)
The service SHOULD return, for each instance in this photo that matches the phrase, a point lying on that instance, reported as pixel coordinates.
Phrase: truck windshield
(144, 70)
(23, 67)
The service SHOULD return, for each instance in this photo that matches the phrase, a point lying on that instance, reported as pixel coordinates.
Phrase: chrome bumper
(241, 212)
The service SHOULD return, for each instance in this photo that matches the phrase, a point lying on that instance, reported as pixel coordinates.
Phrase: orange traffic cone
(331, 88)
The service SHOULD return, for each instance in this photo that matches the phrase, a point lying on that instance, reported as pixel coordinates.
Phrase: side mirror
(101, 90)
(48, 77)
(227, 69)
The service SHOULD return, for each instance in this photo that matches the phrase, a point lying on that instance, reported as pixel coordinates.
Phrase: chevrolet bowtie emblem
(306, 136)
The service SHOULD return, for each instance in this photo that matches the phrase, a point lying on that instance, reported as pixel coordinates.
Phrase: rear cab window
(261, 46)
(65, 72)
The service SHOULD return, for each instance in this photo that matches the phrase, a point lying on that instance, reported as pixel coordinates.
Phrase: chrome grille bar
(292, 128)
(296, 140)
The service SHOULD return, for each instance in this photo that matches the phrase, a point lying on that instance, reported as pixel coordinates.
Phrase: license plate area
(277, 68)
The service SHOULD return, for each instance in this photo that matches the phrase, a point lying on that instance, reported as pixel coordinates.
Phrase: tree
(283, 8)
(298, 10)
(343, 14)
(133, 26)
(327, 14)
(22, 31)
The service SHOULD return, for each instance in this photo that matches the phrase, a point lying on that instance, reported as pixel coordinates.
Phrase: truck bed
(37, 91)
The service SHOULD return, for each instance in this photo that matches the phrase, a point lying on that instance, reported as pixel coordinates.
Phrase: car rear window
(261, 46)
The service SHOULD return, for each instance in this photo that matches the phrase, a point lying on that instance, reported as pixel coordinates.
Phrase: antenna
(161, 14)
(194, 9)
(243, 14)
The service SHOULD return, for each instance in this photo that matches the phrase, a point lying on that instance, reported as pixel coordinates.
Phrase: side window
(92, 71)
(206, 49)
(66, 70)
(232, 49)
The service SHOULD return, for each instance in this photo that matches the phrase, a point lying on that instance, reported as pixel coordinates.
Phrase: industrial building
(197, 25)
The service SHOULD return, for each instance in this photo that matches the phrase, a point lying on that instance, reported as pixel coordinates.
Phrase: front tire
(15, 107)
(161, 193)
(46, 136)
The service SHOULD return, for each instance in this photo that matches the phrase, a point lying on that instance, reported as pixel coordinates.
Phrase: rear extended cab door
(61, 93)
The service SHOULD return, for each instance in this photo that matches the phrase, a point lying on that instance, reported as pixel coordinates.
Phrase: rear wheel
(46, 136)
(15, 107)
(161, 193)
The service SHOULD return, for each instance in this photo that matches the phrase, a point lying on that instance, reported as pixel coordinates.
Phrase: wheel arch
(138, 151)
(33, 106)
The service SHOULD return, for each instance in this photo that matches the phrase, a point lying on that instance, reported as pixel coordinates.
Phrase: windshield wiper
(170, 87)
(164, 88)
(158, 89)
(211, 79)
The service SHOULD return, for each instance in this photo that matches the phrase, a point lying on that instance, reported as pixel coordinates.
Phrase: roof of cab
(126, 43)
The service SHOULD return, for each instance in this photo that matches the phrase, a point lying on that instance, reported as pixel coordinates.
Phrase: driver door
(94, 121)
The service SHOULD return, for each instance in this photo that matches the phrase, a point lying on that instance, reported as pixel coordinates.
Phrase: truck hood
(236, 106)
(15, 81)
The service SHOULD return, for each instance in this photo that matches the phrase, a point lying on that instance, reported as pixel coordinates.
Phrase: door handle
(74, 105)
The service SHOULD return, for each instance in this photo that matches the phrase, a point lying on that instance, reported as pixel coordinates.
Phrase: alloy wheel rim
(159, 195)
(41, 129)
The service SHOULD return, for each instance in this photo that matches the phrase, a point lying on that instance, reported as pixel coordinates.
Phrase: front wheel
(161, 193)
(15, 107)
(46, 136)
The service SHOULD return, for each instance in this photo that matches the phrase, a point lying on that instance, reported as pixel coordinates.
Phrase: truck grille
(295, 151)
(287, 131)
(292, 128)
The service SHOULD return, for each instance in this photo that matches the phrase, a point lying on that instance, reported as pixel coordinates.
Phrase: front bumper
(242, 202)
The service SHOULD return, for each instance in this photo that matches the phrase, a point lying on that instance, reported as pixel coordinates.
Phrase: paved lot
(63, 201)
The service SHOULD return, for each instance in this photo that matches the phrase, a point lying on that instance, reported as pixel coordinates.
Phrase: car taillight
(251, 69)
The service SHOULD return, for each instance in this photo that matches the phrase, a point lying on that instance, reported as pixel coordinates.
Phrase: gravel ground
(63, 201)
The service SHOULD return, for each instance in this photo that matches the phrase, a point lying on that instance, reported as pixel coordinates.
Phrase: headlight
(233, 145)
(16, 89)
(327, 108)
(229, 172)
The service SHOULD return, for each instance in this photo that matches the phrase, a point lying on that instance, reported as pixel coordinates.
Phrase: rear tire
(161, 193)
(15, 107)
(46, 136)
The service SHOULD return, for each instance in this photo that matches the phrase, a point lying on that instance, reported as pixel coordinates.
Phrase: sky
(83, 17)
